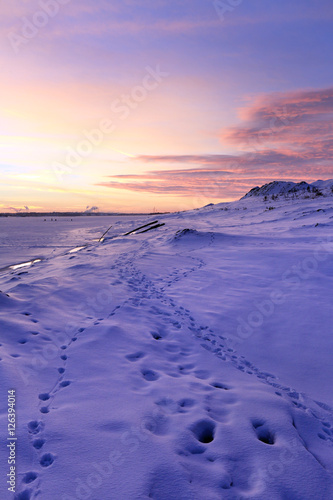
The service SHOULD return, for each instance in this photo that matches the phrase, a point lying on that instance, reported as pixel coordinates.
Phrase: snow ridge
(302, 189)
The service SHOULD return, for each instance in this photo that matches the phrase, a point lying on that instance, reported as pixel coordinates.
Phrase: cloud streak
(281, 136)
(299, 121)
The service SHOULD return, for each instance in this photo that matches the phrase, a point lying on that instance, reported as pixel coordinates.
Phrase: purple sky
(131, 105)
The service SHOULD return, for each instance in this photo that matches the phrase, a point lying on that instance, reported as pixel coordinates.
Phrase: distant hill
(277, 189)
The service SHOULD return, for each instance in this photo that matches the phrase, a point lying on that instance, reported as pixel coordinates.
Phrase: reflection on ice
(24, 264)
(76, 249)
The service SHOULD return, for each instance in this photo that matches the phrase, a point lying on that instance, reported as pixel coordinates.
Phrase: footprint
(324, 406)
(44, 409)
(202, 374)
(46, 460)
(35, 427)
(24, 495)
(158, 425)
(61, 370)
(46, 338)
(30, 477)
(63, 357)
(196, 449)
(150, 375)
(186, 403)
(135, 356)
(186, 369)
(218, 385)
(44, 396)
(65, 383)
(167, 405)
(38, 443)
(22, 341)
(204, 431)
(263, 433)
(156, 335)
(227, 483)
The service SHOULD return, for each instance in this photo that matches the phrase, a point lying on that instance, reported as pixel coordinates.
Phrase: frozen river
(25, 238)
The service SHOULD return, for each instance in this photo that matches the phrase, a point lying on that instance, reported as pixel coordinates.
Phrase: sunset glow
(135, 106)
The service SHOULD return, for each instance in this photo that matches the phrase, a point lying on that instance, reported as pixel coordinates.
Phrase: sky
(161, 105)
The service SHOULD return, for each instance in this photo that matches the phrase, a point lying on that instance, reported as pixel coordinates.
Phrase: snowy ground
(192, 361)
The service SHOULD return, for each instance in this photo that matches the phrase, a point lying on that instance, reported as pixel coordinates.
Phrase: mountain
(302, 189)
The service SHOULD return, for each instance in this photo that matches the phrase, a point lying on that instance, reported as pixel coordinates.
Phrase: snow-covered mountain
(292, 189)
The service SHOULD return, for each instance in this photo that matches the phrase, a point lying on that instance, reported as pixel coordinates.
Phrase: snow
(191, 361)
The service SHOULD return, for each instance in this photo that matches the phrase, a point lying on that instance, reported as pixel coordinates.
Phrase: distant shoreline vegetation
(76, 214)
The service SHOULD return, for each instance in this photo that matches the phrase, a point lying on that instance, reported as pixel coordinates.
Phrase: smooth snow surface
(189, 362)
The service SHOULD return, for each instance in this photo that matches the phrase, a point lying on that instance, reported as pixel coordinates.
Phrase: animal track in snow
(29, 477)
(195, 449)
(186, 369)
(156, 336)
(168, 405)
(135, 356)
(158, 425)
(65, 383)
(202, 374)
(38, 443)
(218, 385)
(35, 426)
(46, 460)
(24, 495)
(204, 431)
(186, 403)
(263, 432)
(150, 375)
(44, 396)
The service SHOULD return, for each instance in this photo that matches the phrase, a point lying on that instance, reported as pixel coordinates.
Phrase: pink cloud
(282, 136)
(296, 121)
